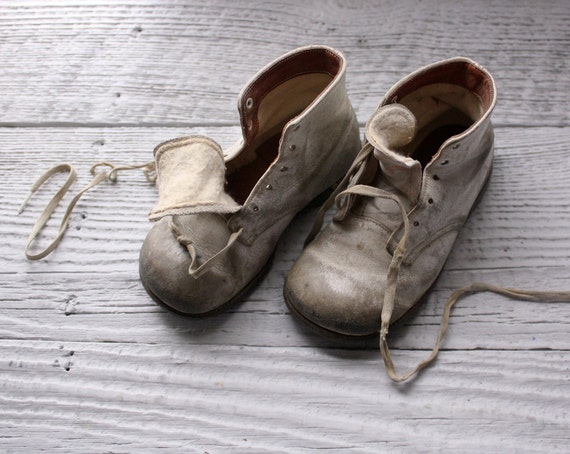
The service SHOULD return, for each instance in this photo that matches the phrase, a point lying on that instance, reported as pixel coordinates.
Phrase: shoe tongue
(191, 178)
(390, 129)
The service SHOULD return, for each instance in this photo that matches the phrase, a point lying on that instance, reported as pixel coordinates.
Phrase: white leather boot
(427, 157)
(220, 215)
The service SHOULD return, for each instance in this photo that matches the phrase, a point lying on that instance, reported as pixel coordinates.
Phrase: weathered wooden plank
(181, 62)
(115, 308)
(73, 396)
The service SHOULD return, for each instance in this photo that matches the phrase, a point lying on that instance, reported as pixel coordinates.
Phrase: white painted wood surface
(88, 363)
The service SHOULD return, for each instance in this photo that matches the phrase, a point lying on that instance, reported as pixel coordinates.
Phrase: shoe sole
(235, 299)
(290, 298)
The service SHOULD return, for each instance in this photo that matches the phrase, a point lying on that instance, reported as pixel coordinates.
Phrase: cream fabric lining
(279, 106)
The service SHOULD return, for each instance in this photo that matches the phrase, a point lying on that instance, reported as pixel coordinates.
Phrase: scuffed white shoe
(427, 158)
(220, 215)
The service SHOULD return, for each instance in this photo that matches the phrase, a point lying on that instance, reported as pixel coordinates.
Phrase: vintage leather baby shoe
(427, 157)
(220, 215)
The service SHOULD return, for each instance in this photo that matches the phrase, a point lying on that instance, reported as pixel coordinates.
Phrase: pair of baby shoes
(401, 197)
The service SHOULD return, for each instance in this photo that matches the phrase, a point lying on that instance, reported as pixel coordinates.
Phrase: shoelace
(343, 203)
(99, 176)
(194, 270)
(344, 198)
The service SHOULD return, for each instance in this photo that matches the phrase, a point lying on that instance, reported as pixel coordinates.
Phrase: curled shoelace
(194, 269)
(344, 198)
(110, 173)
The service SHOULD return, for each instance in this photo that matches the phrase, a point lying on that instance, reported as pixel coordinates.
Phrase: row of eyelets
(436, 178)
(292, 147)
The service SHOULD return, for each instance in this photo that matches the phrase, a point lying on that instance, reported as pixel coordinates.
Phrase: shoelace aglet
(25, 202)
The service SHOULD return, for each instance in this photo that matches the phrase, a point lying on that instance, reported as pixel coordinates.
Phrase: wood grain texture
(180, 62)
(88, 363)
(234, 398)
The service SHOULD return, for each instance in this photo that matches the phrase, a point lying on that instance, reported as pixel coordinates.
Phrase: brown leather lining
(310, 61)
(460, 73)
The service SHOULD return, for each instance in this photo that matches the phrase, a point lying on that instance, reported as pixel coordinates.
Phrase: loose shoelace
(344, 198)
(99, 176)
(149, 170)
(194, 270)
(110, 173)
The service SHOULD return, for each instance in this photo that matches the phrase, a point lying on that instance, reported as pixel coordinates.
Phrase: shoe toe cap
(163, 268)
(336, 297)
